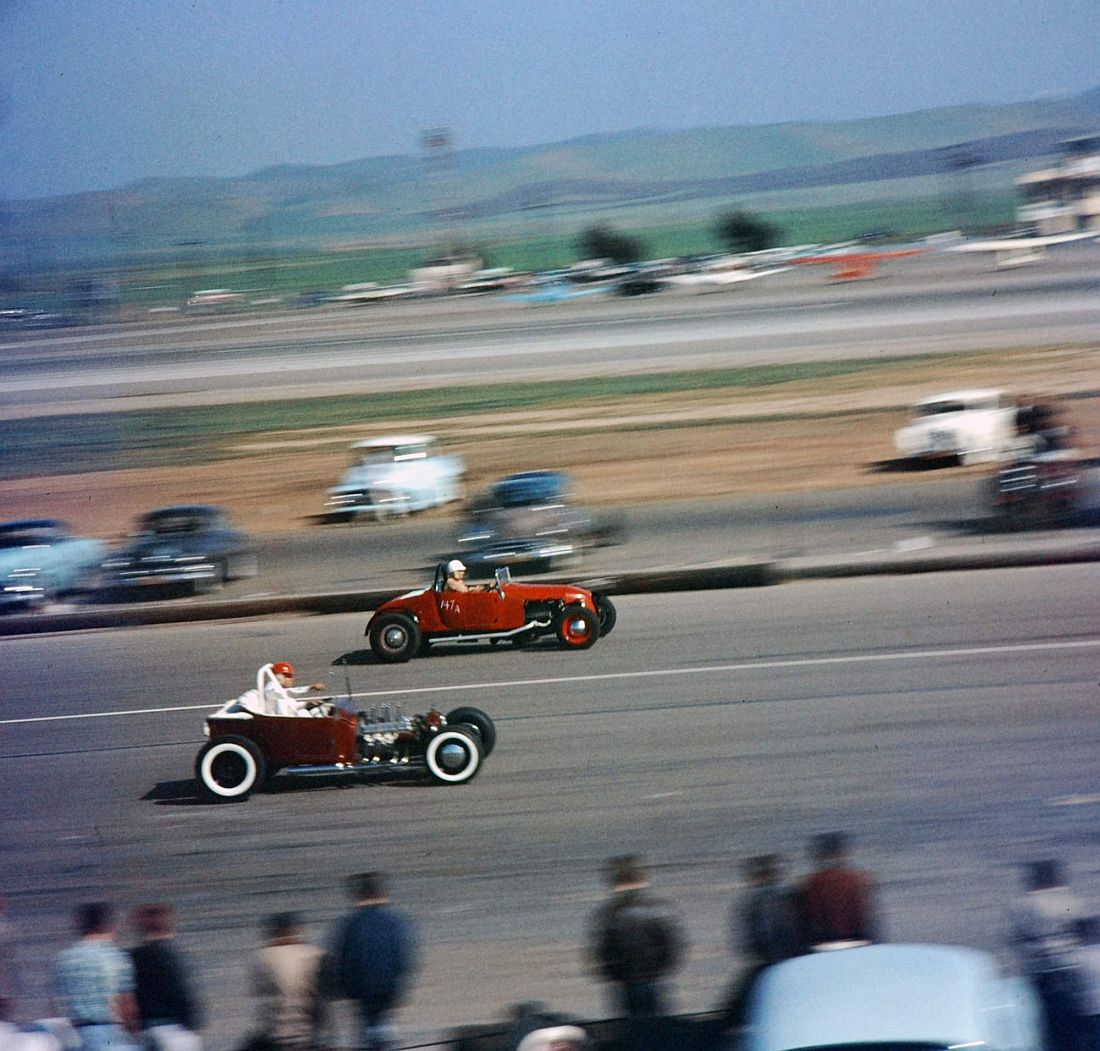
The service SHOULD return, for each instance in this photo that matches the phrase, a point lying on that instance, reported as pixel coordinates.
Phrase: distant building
(445, 274)
(1065, 198)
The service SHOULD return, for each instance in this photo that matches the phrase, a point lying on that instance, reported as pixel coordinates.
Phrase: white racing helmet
(454, 566)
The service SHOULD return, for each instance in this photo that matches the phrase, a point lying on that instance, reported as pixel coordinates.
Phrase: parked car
(40, 560)
(1039, 490)
(528, 521)
(971, 426)
(394, 476)
(931, 997)
(247, 749)
(189, 546)
(517, 613)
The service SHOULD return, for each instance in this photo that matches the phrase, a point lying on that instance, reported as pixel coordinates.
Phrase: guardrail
(747, 574)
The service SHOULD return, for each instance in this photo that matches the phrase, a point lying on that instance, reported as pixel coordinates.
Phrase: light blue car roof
(931, 994)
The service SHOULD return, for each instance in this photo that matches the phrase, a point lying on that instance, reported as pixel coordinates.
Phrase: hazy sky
(95, 93)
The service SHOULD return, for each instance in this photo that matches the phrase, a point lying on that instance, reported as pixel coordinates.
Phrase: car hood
(560, 592)
(921, 994)
(12, 560)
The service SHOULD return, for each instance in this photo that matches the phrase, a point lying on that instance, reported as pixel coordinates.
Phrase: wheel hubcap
(394, 637)
(452, 756)
(228, 770)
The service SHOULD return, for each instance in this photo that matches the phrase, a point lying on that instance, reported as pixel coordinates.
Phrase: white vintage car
(394, 476)
(926, 997)
(973, 426)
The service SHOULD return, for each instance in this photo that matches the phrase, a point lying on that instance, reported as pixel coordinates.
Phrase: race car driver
(456, 578)
(279, 695)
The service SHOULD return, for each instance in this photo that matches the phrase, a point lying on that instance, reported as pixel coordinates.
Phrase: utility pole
(960, 161)
(439, 158)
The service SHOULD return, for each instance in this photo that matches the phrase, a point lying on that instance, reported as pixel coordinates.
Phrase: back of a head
(154, 920)
(95, 917)
(282, 925)
(830, 846)
(624, 870)
(367, 886)
(1042, 875)
(763, 869)
(554, 1038)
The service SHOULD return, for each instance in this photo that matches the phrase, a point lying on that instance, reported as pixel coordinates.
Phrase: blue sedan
(41, 560)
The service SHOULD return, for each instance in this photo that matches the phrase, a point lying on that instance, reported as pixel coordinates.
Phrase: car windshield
(938, 408)
(164, 525)
(390, 454)
(28, 538)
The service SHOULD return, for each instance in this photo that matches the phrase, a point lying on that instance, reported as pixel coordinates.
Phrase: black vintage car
(528, 522)
(190, 547)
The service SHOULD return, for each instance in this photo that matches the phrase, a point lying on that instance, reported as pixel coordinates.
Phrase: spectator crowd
(144, 999)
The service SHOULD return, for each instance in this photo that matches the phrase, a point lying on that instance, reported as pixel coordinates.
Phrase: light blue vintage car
(395, 476)
(41, 560)
(926, 997)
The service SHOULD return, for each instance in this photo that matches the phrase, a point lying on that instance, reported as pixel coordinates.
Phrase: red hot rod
(518, 613)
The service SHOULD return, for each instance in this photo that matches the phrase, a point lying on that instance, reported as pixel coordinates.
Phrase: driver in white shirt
(279, 695)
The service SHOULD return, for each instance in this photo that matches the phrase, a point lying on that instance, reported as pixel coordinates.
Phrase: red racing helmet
(283, 668)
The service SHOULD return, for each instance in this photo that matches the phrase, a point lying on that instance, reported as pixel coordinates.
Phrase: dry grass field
(825, 434)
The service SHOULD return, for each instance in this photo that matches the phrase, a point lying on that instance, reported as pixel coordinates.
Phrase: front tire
(227, 769)
(394, 637)
(577, 628)
(453, 756)
(481, 722)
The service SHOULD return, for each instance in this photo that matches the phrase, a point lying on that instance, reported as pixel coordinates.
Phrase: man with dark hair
(94, 982)
(1044, 931)
(286, 979)
(763, 928)
(166, 1002)
(634, 942)
(372, 958)
(836, 901)
(1086, 961)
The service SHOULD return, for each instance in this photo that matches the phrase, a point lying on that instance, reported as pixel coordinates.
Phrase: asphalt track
(949, 721)
(933, 304)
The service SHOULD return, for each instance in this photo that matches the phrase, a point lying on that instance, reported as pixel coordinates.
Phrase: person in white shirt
(276, 694)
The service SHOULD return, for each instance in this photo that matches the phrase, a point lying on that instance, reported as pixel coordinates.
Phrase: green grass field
(552, 242)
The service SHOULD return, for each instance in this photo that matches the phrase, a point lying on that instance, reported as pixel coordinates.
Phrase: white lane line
(802, 662)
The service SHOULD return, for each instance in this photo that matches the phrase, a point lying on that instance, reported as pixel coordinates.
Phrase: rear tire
(605, 610)
(394, 637)
(453, 756)
(478, 719)
(228, 769)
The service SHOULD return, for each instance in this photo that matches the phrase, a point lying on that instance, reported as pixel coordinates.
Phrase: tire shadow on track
(174, 793)
(182, 793)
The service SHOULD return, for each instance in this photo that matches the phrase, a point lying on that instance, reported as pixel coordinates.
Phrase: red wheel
(577, 628)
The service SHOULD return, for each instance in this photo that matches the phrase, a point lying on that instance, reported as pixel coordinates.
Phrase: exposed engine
(388, 736)
(541, 613)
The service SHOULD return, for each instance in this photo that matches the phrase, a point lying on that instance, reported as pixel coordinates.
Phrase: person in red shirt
(836, 902)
